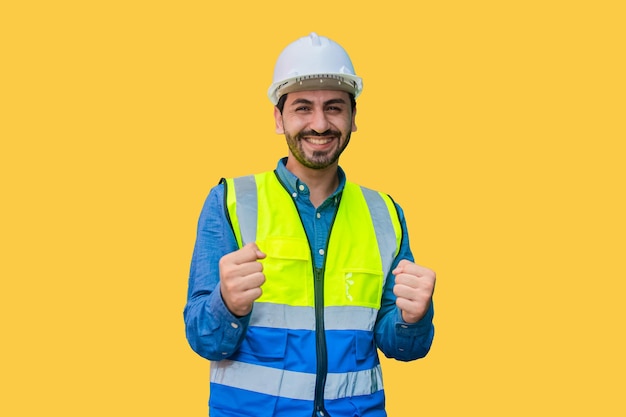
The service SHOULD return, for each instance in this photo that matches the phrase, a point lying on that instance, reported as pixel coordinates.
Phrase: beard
(317, 159)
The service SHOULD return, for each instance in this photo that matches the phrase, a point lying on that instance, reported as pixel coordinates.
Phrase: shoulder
(214, 200)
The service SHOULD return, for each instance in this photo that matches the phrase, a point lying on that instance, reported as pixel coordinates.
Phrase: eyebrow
(326, 103)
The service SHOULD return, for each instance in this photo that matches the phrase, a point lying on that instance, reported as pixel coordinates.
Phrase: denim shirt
(215, 333)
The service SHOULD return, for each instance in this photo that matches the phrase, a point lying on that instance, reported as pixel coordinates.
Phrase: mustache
(329, 132)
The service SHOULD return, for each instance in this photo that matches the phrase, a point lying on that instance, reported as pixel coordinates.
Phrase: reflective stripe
(283, 316)
(296, 385)
(350, 318)
(246, 194)
(383, 226)
(351, 384)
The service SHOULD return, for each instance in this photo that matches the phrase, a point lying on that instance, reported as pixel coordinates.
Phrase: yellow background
(499, 127)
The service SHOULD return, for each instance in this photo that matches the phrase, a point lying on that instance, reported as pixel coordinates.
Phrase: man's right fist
(241, 277)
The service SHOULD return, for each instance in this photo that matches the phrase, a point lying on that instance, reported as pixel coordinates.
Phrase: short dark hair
(281, 102)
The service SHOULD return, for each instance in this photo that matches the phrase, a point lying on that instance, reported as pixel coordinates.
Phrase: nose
(319, 121)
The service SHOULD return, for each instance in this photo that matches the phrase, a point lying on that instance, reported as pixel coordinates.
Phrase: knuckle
(224, 263)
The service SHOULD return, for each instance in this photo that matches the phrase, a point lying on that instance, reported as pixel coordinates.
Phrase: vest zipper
(320, 334)
(320, 345)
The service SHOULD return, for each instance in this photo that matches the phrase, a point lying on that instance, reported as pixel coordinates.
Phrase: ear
(278, 120)
(354, 119)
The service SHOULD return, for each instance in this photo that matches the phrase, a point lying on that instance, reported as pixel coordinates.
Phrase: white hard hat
(313, 63)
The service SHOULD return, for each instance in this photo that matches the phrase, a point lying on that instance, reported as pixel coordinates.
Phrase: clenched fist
(241, 277)
(414, 289)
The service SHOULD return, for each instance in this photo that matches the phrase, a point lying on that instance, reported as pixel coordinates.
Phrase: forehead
(320, 96)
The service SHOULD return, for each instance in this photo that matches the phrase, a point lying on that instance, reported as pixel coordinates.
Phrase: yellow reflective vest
(310, 338)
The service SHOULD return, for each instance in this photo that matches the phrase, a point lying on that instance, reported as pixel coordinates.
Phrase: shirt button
(319, 215)
(301, 187)
(294, 195)
(235, 325)
(321, 251)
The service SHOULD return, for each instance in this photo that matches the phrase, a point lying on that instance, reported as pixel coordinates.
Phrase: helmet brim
(348, 83)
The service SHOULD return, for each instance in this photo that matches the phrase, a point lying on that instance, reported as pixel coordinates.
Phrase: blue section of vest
(233, 402)
(294, 350)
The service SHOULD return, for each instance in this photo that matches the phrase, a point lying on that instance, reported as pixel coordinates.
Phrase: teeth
(318, 141)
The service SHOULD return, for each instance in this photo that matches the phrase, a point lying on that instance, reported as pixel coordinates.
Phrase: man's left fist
(414, 289)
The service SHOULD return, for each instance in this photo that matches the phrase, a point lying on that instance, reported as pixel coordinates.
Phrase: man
(298, 276)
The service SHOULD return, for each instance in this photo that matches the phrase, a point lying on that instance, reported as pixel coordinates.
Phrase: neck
(321, 182)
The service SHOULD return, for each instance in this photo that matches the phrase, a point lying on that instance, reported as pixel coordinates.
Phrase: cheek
(347, 126)
(293, 125)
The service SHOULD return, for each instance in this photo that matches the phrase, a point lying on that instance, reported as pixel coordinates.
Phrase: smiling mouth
(319, 141)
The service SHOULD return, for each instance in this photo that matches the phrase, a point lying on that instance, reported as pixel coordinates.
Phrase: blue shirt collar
(294, 184)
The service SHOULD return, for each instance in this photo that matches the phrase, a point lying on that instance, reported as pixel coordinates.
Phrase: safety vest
(310, 341)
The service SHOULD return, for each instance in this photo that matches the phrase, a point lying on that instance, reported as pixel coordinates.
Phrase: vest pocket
(265, 343)
(365, 349)
(288, 273)
(354, 287)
